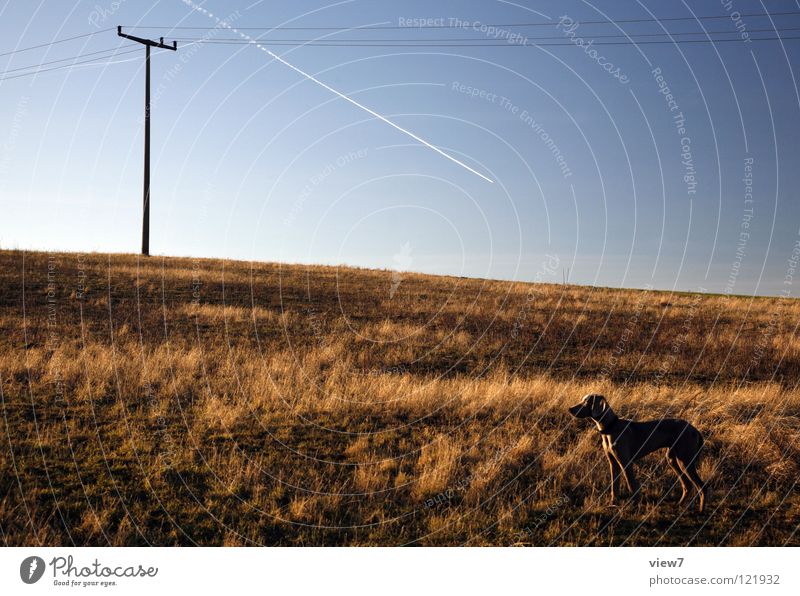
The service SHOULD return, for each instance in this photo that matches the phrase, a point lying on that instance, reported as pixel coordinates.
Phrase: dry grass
(179, 401)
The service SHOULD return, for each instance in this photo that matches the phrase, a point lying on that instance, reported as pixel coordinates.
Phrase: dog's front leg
(630, 479)
(615, 472)
(625, 458)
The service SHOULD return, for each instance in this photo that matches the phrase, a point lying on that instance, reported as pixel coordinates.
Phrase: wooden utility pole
(148, 43)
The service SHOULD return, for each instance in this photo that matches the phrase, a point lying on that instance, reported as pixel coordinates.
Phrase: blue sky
(252, 161)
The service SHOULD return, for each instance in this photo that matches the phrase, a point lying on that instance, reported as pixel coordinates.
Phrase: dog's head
(592, 406)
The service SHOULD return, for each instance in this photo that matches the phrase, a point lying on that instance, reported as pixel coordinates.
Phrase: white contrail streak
(376, 114)
(339, 93)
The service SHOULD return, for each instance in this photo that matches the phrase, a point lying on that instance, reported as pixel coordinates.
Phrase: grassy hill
(184, 401)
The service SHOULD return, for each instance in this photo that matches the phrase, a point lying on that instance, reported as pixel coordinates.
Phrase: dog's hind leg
(672, 460)
(691, 471)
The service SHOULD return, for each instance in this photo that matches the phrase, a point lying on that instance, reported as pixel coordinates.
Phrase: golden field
(171, 401)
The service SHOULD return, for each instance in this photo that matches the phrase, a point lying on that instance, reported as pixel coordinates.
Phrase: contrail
(339, 93)
(374, 113)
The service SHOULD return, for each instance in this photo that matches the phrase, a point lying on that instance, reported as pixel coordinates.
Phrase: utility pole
(148, 43)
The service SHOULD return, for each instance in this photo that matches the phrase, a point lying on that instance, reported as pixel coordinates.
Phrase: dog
(625, 441)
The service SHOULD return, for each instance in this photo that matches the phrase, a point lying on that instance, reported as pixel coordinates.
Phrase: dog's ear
(599, 406)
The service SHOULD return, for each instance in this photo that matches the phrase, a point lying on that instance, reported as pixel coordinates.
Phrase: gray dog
(625, 441)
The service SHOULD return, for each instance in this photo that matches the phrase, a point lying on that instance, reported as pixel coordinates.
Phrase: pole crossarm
(148, 42)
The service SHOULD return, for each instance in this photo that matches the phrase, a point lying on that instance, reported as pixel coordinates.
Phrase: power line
(462, 23)
(99, 59)
(459, 39)
(64, 59)
(520, 44)
(399, 43)
(52, 43)
(91, 60)
(459, 26)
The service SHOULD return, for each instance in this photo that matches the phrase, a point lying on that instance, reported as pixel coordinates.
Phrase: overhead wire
(97, 60)
(550, 41)
(57, 41)
(461, 23)
(481, 45)
(40, 64)
(452, 39)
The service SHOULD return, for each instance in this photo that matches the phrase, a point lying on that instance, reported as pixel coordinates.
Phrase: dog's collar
(607, 422)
